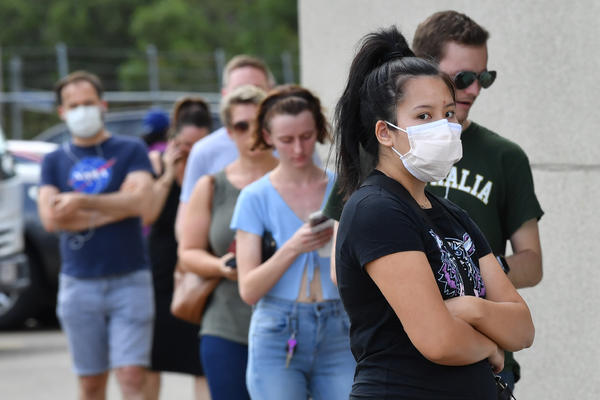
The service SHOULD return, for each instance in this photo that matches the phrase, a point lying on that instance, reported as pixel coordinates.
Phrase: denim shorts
(322, 366)
(108, 320)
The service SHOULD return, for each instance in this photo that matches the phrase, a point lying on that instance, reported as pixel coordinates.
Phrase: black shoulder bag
(504, 392)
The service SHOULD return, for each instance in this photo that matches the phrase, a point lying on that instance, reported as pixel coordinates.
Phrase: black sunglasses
(241, 126)
(464, 79)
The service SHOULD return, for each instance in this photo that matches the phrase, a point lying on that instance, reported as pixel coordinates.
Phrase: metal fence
(131, 77)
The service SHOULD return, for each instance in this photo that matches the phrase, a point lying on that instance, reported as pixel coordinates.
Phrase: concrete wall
(546, 99)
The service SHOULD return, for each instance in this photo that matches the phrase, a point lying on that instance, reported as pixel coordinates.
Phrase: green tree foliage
(265, 27)
(260, 27)
(180, 29)
(110, 38)
(93, 23)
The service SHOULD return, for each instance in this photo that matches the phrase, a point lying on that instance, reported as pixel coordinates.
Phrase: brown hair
(243, 60)
(290, 100)
(190, 110)
(247, 94)
(77, 76)
(442, 27)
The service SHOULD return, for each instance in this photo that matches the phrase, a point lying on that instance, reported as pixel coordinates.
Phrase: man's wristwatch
(503, 264)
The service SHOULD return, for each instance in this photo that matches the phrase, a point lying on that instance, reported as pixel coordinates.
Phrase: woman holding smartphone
(298, 340)
(207, 246)
(431, 308)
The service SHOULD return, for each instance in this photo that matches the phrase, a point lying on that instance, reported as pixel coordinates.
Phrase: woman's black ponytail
(377, 75)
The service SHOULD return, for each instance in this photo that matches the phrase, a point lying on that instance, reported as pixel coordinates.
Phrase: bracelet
(503, 264)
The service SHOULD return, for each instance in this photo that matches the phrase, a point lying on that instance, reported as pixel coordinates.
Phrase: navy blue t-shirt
(111, 249)
(375, 223)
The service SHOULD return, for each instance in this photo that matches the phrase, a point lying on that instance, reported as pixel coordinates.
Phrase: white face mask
(84, 121)
(434, 148)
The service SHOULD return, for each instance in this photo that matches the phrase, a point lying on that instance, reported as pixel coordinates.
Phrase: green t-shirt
(335, 203)
(493, 182)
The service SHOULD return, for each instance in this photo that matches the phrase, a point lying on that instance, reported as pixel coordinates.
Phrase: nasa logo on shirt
(91, 175)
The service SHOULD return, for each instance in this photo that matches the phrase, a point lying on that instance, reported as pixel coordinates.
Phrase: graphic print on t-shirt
(449, 273)
(476, 188)
(91, 175)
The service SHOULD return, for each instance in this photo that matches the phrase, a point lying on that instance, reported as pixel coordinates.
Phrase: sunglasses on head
(464, 79)
(241, 126)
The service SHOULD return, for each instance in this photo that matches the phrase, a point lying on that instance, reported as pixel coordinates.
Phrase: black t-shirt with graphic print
(375, 223)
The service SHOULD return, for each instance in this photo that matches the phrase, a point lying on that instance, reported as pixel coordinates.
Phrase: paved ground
(35, 364)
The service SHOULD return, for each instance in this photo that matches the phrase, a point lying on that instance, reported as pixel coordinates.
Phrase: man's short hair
(247, 94)
(244, 60)
(442, 27)
(77, 76)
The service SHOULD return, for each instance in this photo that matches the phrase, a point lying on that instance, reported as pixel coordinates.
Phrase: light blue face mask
(434, 148)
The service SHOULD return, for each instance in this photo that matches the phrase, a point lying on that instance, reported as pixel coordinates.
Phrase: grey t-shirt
(226, 315)
(209, 155)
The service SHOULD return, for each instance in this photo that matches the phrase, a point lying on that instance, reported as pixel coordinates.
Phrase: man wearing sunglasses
(493, 180)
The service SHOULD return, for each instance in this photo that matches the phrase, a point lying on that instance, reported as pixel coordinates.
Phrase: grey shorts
(108, 321)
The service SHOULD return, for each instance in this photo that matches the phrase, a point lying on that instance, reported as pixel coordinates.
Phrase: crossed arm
(460, 331)
(73, 211)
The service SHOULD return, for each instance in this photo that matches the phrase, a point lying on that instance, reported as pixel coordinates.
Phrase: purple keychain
(290, 348)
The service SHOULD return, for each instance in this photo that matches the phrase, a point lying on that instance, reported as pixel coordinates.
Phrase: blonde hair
(247, 94)
(244, 60)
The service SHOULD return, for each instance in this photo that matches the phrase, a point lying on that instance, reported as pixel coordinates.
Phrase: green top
(226, 315)
(335, 203)
(493, 182)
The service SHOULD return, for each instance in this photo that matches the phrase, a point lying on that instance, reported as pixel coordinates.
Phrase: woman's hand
(497, 360)
(226, 271)
(304, 240)
(464, 307)
(171, 157)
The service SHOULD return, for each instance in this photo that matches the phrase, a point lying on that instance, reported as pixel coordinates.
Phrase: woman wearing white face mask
(430, 308)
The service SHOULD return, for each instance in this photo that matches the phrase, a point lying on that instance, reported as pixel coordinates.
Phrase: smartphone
(319, 222)
(316, 218)
(231, 263)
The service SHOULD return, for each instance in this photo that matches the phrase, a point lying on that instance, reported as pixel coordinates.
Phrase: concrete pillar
(545, 99)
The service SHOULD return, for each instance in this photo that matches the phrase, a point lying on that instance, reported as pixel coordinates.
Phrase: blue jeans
(108, 321)
(322, 366)
(224, 364)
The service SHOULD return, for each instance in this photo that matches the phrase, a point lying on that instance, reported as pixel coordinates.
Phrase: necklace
(67, 148)
(425, 204)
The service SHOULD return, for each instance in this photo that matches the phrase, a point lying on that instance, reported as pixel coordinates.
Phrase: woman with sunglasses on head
(207, 246)
(429, 305)
(298, 340)
(174, 340)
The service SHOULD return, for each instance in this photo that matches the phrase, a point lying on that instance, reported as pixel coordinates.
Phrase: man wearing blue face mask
(93, 192)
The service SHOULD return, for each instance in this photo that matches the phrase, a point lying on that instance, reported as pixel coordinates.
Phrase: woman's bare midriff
(315, 293)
